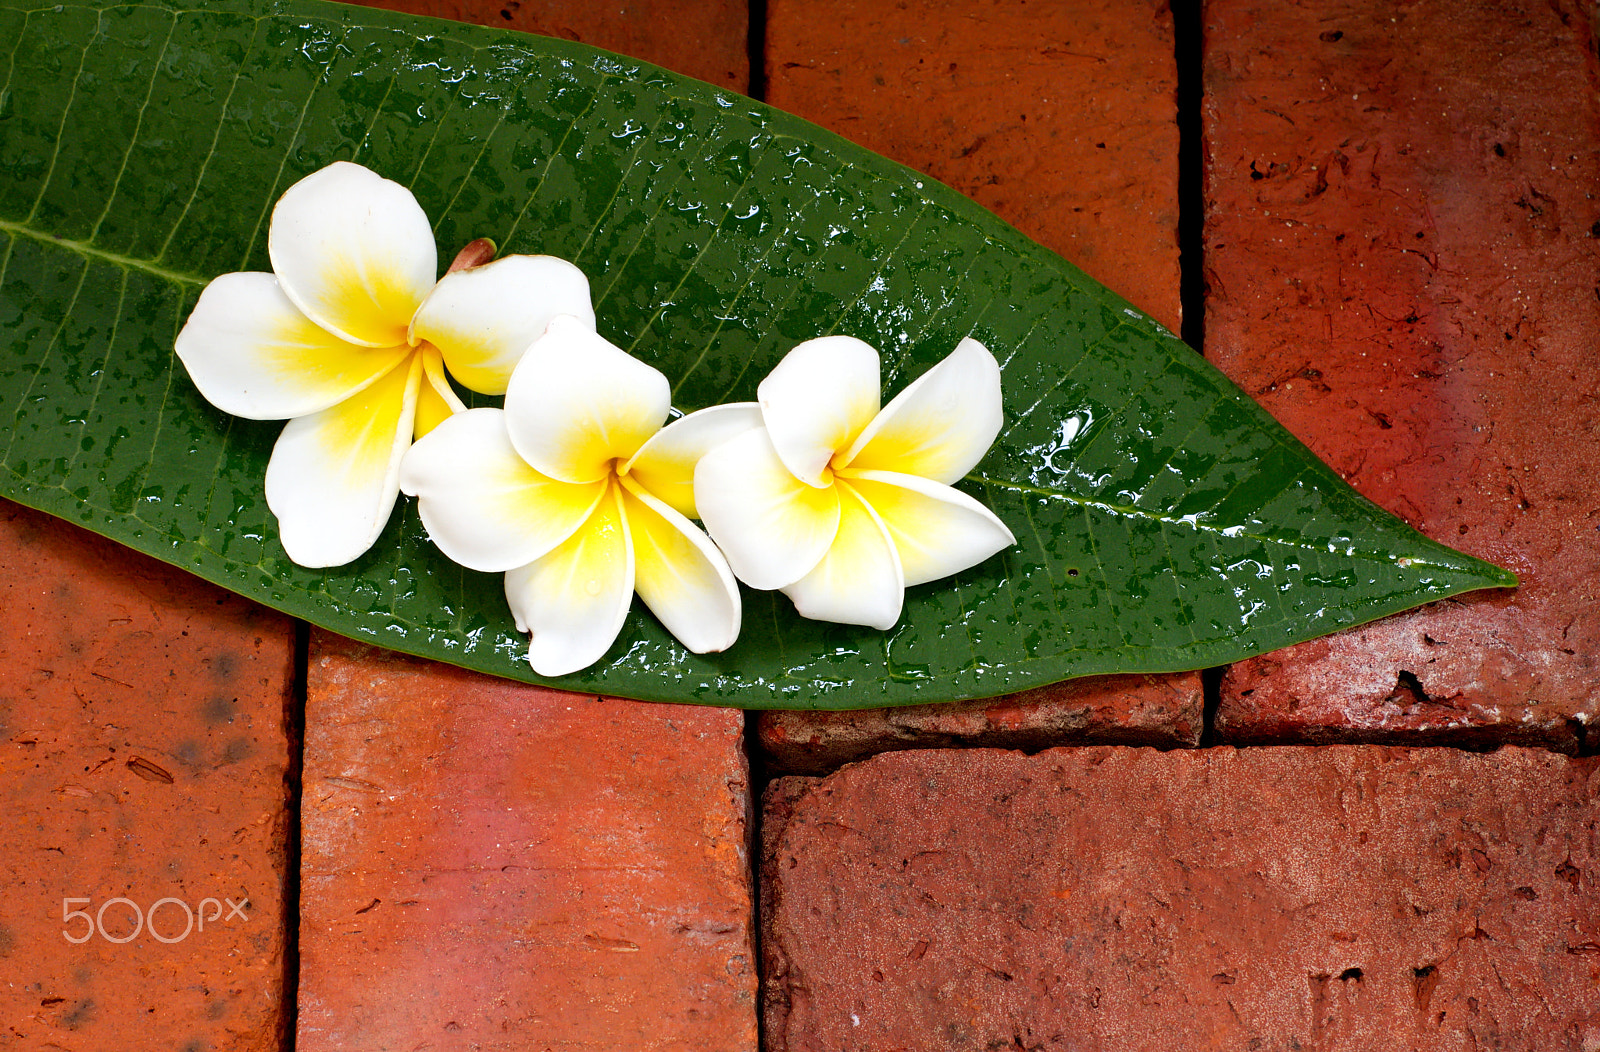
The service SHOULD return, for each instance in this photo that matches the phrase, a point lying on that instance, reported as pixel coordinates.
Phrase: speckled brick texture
(143, 755)
(488, 865)
(1058, 116)
(1099, 710)
(707, 39)
(1340, 898)
(1402, 264)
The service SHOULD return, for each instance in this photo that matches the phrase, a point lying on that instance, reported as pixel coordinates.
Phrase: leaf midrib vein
(231, 566)
(93, 252)
(1133, 511)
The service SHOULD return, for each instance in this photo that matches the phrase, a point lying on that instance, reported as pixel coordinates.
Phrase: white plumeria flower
(349, 338)
(842, 506)
(581, 497)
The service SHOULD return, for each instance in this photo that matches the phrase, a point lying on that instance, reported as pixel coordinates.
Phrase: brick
(708, 39)
(1394, 682)
(1061, 117)
(1343, 897)
(1402, 267)
(496, 866)
(1098, 710)
(146, 750)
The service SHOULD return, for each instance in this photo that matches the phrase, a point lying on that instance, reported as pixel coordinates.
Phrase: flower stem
(476, 254)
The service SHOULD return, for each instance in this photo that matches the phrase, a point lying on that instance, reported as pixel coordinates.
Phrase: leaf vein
(377, 111)
(515, 223)
(617, 270)
(667, 301)
(616, 192)
(283, 161)
(166, 397)
(138, 126)
(466, 177)
(100, 375)
(883, 264)
(722, 315)
(445, 111)
(909, 340)
(211, 151)
(1100, 572)
(66, 111)
(44, 358)
(16, 45)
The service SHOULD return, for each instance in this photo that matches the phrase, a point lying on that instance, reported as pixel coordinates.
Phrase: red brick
(707, 39)
(1058, 116)
(496, 866)
(1393, 682)
(1099, 710)
(143, 721)
(1347, 897)
(1402, 270)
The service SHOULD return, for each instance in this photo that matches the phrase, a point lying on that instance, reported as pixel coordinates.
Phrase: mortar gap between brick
(1211, 693)
(1188, 40)
(1588, 737)
(294, 725)
(760, 773)
(756, 46)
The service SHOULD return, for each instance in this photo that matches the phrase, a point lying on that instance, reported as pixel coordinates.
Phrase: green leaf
(1165, 522)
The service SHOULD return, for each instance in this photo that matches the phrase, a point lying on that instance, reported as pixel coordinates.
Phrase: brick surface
(493, 866)
(1100, 710)
(707, 39)
(1341, 898)
(1402, 261)
(145, 750)
(1060, 118)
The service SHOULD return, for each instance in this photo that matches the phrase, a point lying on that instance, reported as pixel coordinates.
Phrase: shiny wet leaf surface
(1164, 521)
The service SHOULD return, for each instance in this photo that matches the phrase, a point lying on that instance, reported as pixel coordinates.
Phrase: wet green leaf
(1165, 522)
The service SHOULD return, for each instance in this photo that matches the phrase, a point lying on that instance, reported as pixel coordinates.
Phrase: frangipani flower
(841, 505)
(581, 497)
(349, 338)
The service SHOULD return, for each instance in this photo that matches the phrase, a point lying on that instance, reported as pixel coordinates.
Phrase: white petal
(817, 400)
(577, 403)
(941, 425)
(575, 599)
(481, 503)
(354, 251)
(772, 527)
(858, 582)
(252, 353)
(680, 574)
(334, 475)
(937, 531)
(483, 318)
(665, 464)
